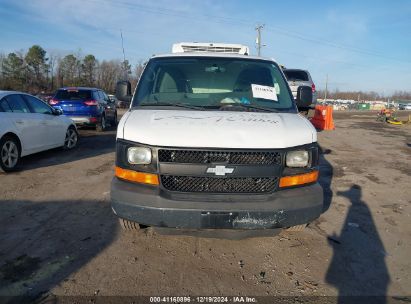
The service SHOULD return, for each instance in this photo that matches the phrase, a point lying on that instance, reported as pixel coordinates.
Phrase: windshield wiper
(251, 107)
(181, 105)
(202, 108)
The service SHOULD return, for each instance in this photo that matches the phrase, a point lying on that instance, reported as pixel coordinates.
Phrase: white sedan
(28, 125)
(406, 106)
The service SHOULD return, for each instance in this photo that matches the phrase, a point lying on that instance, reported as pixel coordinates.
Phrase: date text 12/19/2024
(201, 299)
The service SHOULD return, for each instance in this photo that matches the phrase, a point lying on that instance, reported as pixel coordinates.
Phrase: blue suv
(86, 106)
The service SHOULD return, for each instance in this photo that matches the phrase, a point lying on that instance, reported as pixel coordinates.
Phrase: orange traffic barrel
(323, 118)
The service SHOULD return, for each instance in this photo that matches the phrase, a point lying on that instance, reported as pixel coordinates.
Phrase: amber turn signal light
(301, 179)
(137, 177)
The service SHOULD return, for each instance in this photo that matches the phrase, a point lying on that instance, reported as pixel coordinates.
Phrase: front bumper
(144, 205)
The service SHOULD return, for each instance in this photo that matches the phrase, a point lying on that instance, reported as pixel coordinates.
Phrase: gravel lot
(59, 236)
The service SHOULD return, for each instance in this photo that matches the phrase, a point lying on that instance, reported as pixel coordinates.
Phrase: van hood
(216, 129)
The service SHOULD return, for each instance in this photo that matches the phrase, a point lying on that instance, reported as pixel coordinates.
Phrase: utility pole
(122, 45)
(124, 55)
(326, 88)
(258, 40)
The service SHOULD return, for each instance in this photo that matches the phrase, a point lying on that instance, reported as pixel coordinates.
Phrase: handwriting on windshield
(222, 118)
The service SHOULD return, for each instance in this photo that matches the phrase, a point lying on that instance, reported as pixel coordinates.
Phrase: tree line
(36, 71)
(361, 95)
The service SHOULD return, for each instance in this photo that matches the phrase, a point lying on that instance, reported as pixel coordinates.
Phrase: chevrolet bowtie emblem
(220, 170)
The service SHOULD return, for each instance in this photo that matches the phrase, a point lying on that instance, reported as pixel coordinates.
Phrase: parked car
(213, 140)
(123, 104)
(45, 96)
(112, 97)
(28, 125)
(86, 106)
(119, 103)
(296, 78)
(404, 106)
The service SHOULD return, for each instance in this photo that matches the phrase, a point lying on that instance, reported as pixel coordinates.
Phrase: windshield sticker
(229, 100)
(265, 92)
(277, 88)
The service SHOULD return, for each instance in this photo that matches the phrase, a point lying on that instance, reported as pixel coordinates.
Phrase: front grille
(207, 157)
(219, 185)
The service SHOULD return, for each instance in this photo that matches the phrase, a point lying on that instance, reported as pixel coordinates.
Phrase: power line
(237, 22)
(323, 42)
(322, 60)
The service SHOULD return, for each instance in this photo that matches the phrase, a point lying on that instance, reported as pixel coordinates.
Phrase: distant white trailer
(201, 47)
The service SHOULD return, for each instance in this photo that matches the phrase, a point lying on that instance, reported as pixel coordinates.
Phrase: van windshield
(213, 83)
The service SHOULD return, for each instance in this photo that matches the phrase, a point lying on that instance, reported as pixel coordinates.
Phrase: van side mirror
(123, 91)
(304, 97)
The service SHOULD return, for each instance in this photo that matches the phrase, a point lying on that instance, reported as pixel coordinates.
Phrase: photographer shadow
(358, 266)
(326, 176)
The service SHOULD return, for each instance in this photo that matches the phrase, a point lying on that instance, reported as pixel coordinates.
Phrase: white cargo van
(214, 141)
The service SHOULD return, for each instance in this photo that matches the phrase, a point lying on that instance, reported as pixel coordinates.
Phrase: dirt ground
(58, 235)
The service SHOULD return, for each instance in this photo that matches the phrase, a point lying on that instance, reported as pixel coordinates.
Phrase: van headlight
(298, 158)
(139, 155)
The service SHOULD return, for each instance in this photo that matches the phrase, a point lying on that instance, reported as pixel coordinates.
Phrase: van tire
(297, 228)
(129, 225)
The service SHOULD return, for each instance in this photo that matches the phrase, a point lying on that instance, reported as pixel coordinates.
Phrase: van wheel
(297, 228)
(129, 225)
(101, 127)
(9, 153)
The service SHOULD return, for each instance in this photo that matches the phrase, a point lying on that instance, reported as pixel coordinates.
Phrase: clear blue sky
(361, 45)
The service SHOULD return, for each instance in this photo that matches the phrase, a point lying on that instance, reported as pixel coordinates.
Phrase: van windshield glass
(209, 82)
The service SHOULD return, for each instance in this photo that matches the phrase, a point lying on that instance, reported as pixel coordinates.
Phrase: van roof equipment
(201, 47)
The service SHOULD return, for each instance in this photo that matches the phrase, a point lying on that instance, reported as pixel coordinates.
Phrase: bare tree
(108, 74)
(54, 59)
